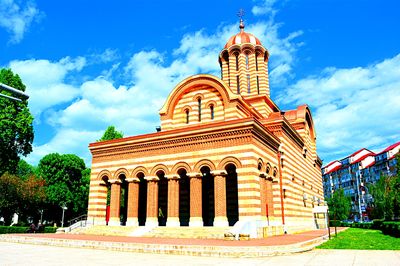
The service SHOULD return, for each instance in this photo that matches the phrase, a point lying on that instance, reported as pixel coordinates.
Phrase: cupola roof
(242, 37)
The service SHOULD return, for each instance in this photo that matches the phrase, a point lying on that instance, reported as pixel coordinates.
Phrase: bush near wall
(22, 229)
(333, 223)
(391, 228)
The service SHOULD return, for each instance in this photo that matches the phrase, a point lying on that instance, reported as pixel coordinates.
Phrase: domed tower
(244, 65)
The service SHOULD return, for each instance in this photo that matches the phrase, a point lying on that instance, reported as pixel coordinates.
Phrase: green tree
(9, 196)
(339, 205)
(386, 195)
(23, 197)
(111, 133)
(25, 170)
(16, 130)
(67, 182)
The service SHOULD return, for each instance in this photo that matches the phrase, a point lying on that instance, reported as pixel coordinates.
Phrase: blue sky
(90, 64)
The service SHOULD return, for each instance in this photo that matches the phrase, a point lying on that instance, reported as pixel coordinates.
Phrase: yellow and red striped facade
(241, 156)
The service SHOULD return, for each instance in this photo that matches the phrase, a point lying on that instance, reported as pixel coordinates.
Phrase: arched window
(237, 62)
(199, 107)
(256, 63)
(187, 116)
(248, 83)
(237, 84)
(258, 86)
(212, 111)
(247, 61)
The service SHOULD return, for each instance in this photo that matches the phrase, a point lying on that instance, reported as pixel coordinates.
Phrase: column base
(196, 222)
(132, 222)
(95, 221)
(221, 221)
(173, 222)
(151, 221)
(114, 222)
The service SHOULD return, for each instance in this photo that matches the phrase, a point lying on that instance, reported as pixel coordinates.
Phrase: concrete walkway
(32, 255)
(277, 245)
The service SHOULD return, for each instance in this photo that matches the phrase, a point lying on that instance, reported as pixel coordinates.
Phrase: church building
(224, 153)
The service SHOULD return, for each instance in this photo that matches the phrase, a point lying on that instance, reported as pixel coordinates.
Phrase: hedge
(391, 228)
(333, 223)
(22, 229)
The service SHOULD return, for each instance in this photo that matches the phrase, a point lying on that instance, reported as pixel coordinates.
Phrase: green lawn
(357, 238)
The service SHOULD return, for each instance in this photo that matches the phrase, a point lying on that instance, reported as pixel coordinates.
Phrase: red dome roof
(242, 37)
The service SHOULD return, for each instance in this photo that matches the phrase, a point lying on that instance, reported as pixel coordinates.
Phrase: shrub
(377, 224)
(391, 228)
(333, 223)
(22, 229)
(13, 229)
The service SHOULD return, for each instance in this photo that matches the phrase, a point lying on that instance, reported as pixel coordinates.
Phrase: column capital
(115, 181)
(173, 177)
(151, 178)
(219, 172)
(190, 175)
(133, 179)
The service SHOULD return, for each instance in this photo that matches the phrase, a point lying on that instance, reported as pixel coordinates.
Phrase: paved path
(270, 241)
(25, 254)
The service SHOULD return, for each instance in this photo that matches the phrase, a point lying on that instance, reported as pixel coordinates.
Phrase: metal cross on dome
(241, 13)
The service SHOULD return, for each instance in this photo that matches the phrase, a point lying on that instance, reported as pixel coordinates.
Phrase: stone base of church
(132, 222)
(221, 221)
(151, 222)
(196, 222)
(114, 222)
(173, 222)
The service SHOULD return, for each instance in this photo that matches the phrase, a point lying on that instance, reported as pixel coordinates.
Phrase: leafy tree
(111, 133)
(23, 197)
(16, 130)
(339, 205)
(386, 195)
(25, 170)
(67, 181)
(9, 196)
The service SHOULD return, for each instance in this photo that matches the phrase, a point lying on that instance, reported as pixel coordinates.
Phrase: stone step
(104, 230)
(188, 232)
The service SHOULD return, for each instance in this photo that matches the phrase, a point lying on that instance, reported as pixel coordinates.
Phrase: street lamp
(64, 208)
(41, 216)
(14, 91)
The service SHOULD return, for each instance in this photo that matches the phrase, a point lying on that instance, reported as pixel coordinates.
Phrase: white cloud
(264, 7)
(45, 81)
(67, 141)
(17, 18)
(353, 108)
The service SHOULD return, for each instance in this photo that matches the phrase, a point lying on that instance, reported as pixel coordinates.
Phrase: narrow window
(199, 102)
(248, 83)
(187, 116)
(256, 63)
(258, 86)
(212, 111)
(247, 61)
(237, 84)
(237, 62)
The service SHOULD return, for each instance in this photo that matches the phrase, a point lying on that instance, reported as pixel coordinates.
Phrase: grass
(365, 239)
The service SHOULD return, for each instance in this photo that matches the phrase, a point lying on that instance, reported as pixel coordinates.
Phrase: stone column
(133, 202)
(263, 197)
(173, 202)
(115, 203)
(152, 201)
(220, 200)
(196, 215)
